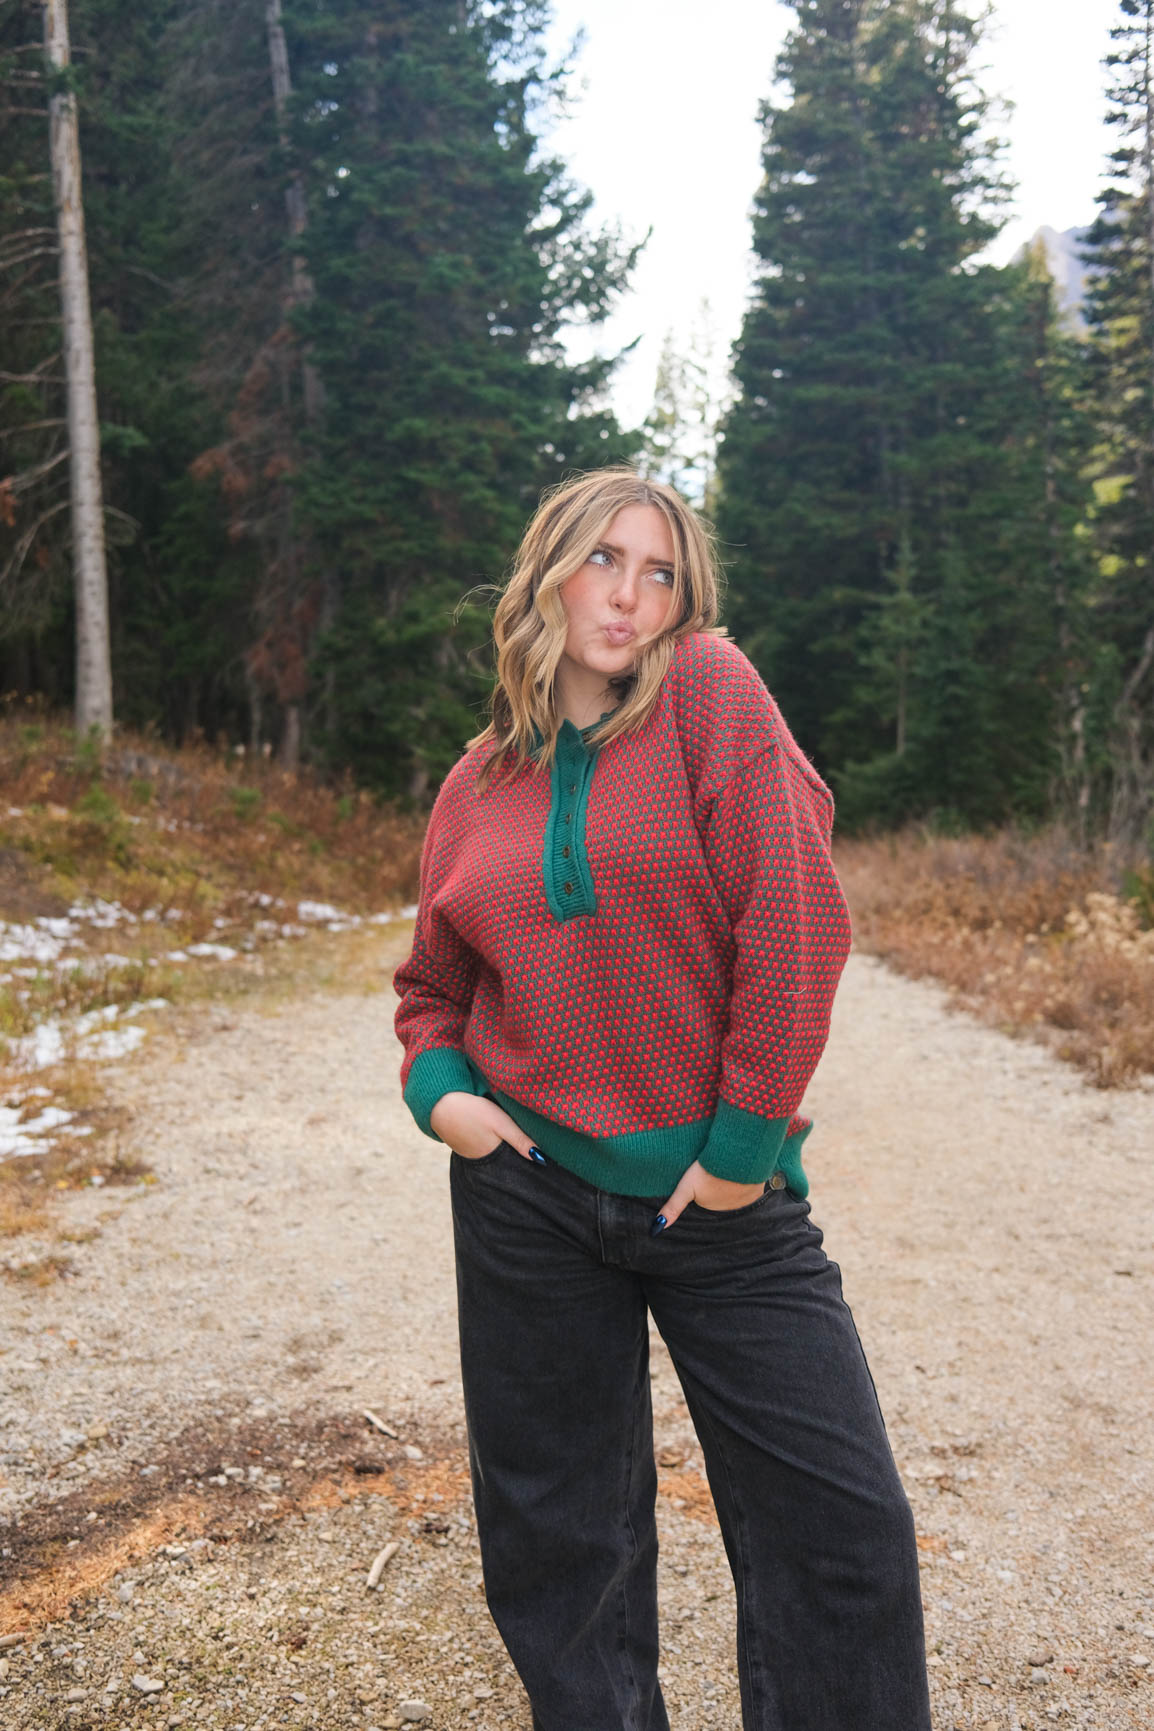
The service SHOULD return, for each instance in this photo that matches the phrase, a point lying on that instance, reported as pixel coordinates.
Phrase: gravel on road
(191, 1496)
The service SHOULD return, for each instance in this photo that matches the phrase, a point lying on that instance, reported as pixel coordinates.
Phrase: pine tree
(177, 583)
(875, 493)
(1120, 311)
(446, 256)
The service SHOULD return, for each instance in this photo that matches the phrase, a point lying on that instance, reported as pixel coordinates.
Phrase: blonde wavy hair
(529, 625)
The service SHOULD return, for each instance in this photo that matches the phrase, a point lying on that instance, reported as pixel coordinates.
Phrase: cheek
(658, 607)
(578, 600)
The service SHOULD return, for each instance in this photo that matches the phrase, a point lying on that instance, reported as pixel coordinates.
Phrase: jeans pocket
(483, 1159)
(747, 1208)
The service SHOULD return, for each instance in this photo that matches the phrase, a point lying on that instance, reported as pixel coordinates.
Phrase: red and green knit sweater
(637, 954)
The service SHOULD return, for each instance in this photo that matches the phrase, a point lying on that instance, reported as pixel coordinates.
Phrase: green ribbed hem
(441, 1070)
(651, 1162)
(748, 1149)
(743, 1146)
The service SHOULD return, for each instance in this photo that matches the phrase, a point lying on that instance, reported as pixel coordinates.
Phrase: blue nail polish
(536, 1154)
(659, 1225)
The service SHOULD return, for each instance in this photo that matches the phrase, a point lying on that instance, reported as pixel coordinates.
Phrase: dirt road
(191, 1497)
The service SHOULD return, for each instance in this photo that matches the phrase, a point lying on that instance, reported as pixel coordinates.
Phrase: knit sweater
(635, 955)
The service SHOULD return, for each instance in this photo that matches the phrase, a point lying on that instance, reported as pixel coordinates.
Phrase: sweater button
(568, 889)
(568, 817)
(777, 1182)
(572, 787)
(566, 851)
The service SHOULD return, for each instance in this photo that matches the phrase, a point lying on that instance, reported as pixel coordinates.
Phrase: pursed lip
(619, 633)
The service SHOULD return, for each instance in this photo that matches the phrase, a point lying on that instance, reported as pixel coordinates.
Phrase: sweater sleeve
(766, 834)
(435, 986)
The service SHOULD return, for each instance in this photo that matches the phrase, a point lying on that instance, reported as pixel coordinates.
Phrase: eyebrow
(608, 547)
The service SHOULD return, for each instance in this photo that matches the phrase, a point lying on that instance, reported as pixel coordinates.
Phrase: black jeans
(554, 1281)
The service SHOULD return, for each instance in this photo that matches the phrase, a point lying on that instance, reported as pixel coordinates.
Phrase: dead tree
(90, 575)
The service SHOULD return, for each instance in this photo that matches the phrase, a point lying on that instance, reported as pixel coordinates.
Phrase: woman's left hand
(716, 1194)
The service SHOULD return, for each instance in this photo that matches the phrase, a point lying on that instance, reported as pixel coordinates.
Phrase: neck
(580, 695)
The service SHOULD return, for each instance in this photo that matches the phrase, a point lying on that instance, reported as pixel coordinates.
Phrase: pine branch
(29, 427)
(28, 477)
(24, 546)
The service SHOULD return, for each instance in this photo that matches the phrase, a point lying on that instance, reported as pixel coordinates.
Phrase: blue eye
(665, 577)
(599, 554)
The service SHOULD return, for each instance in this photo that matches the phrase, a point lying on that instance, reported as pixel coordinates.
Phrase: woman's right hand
(474, 1127)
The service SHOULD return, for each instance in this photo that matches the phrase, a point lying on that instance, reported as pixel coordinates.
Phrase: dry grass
(186, 848)
(1034, 934)
(193, 831)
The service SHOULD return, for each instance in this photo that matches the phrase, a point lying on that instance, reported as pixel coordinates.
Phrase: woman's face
(622, 597)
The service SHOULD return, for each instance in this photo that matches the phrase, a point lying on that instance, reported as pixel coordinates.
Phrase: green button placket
(568, 880)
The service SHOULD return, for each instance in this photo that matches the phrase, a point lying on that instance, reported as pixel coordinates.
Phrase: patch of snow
(113, 1043)
(220, 952)
(177, 956)
(18, 1138)
(89, 1036)
(99, 913)
(409, 912)
(318, 911)
(36, 943)
(40, 1049)
(60, 928)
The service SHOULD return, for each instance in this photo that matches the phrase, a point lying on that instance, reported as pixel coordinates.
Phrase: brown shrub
(152, 827)
(1031, 932)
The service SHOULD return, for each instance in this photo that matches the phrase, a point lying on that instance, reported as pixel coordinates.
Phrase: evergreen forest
(332, 261)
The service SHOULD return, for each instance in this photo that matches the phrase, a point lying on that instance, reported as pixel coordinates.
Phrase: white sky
(664, 133)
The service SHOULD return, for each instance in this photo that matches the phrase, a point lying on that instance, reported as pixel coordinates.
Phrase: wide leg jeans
(555, 1280)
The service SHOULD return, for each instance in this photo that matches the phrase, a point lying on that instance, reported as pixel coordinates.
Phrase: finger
(673, 1208)
(524, 1145)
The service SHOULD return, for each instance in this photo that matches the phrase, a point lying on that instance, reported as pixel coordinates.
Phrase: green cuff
(442, 1070)
(747, 1149)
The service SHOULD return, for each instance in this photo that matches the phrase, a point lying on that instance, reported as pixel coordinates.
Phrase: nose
(625, 592)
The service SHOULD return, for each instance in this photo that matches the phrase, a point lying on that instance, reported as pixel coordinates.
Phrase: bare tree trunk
(255, 710)
(290, 745)
(93, 654)
(301, 293)
(294, 197)
(1148, 152)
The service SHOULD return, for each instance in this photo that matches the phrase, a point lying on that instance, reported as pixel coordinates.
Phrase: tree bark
(90, 576)
(1148, 154)
(290, 747)
(301, 293)
(302, 284)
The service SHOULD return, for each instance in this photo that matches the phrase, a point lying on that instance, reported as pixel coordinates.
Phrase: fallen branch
(379, 1424)
(380, 1563)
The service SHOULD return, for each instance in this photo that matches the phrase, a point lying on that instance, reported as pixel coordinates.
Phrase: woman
(629, 937)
